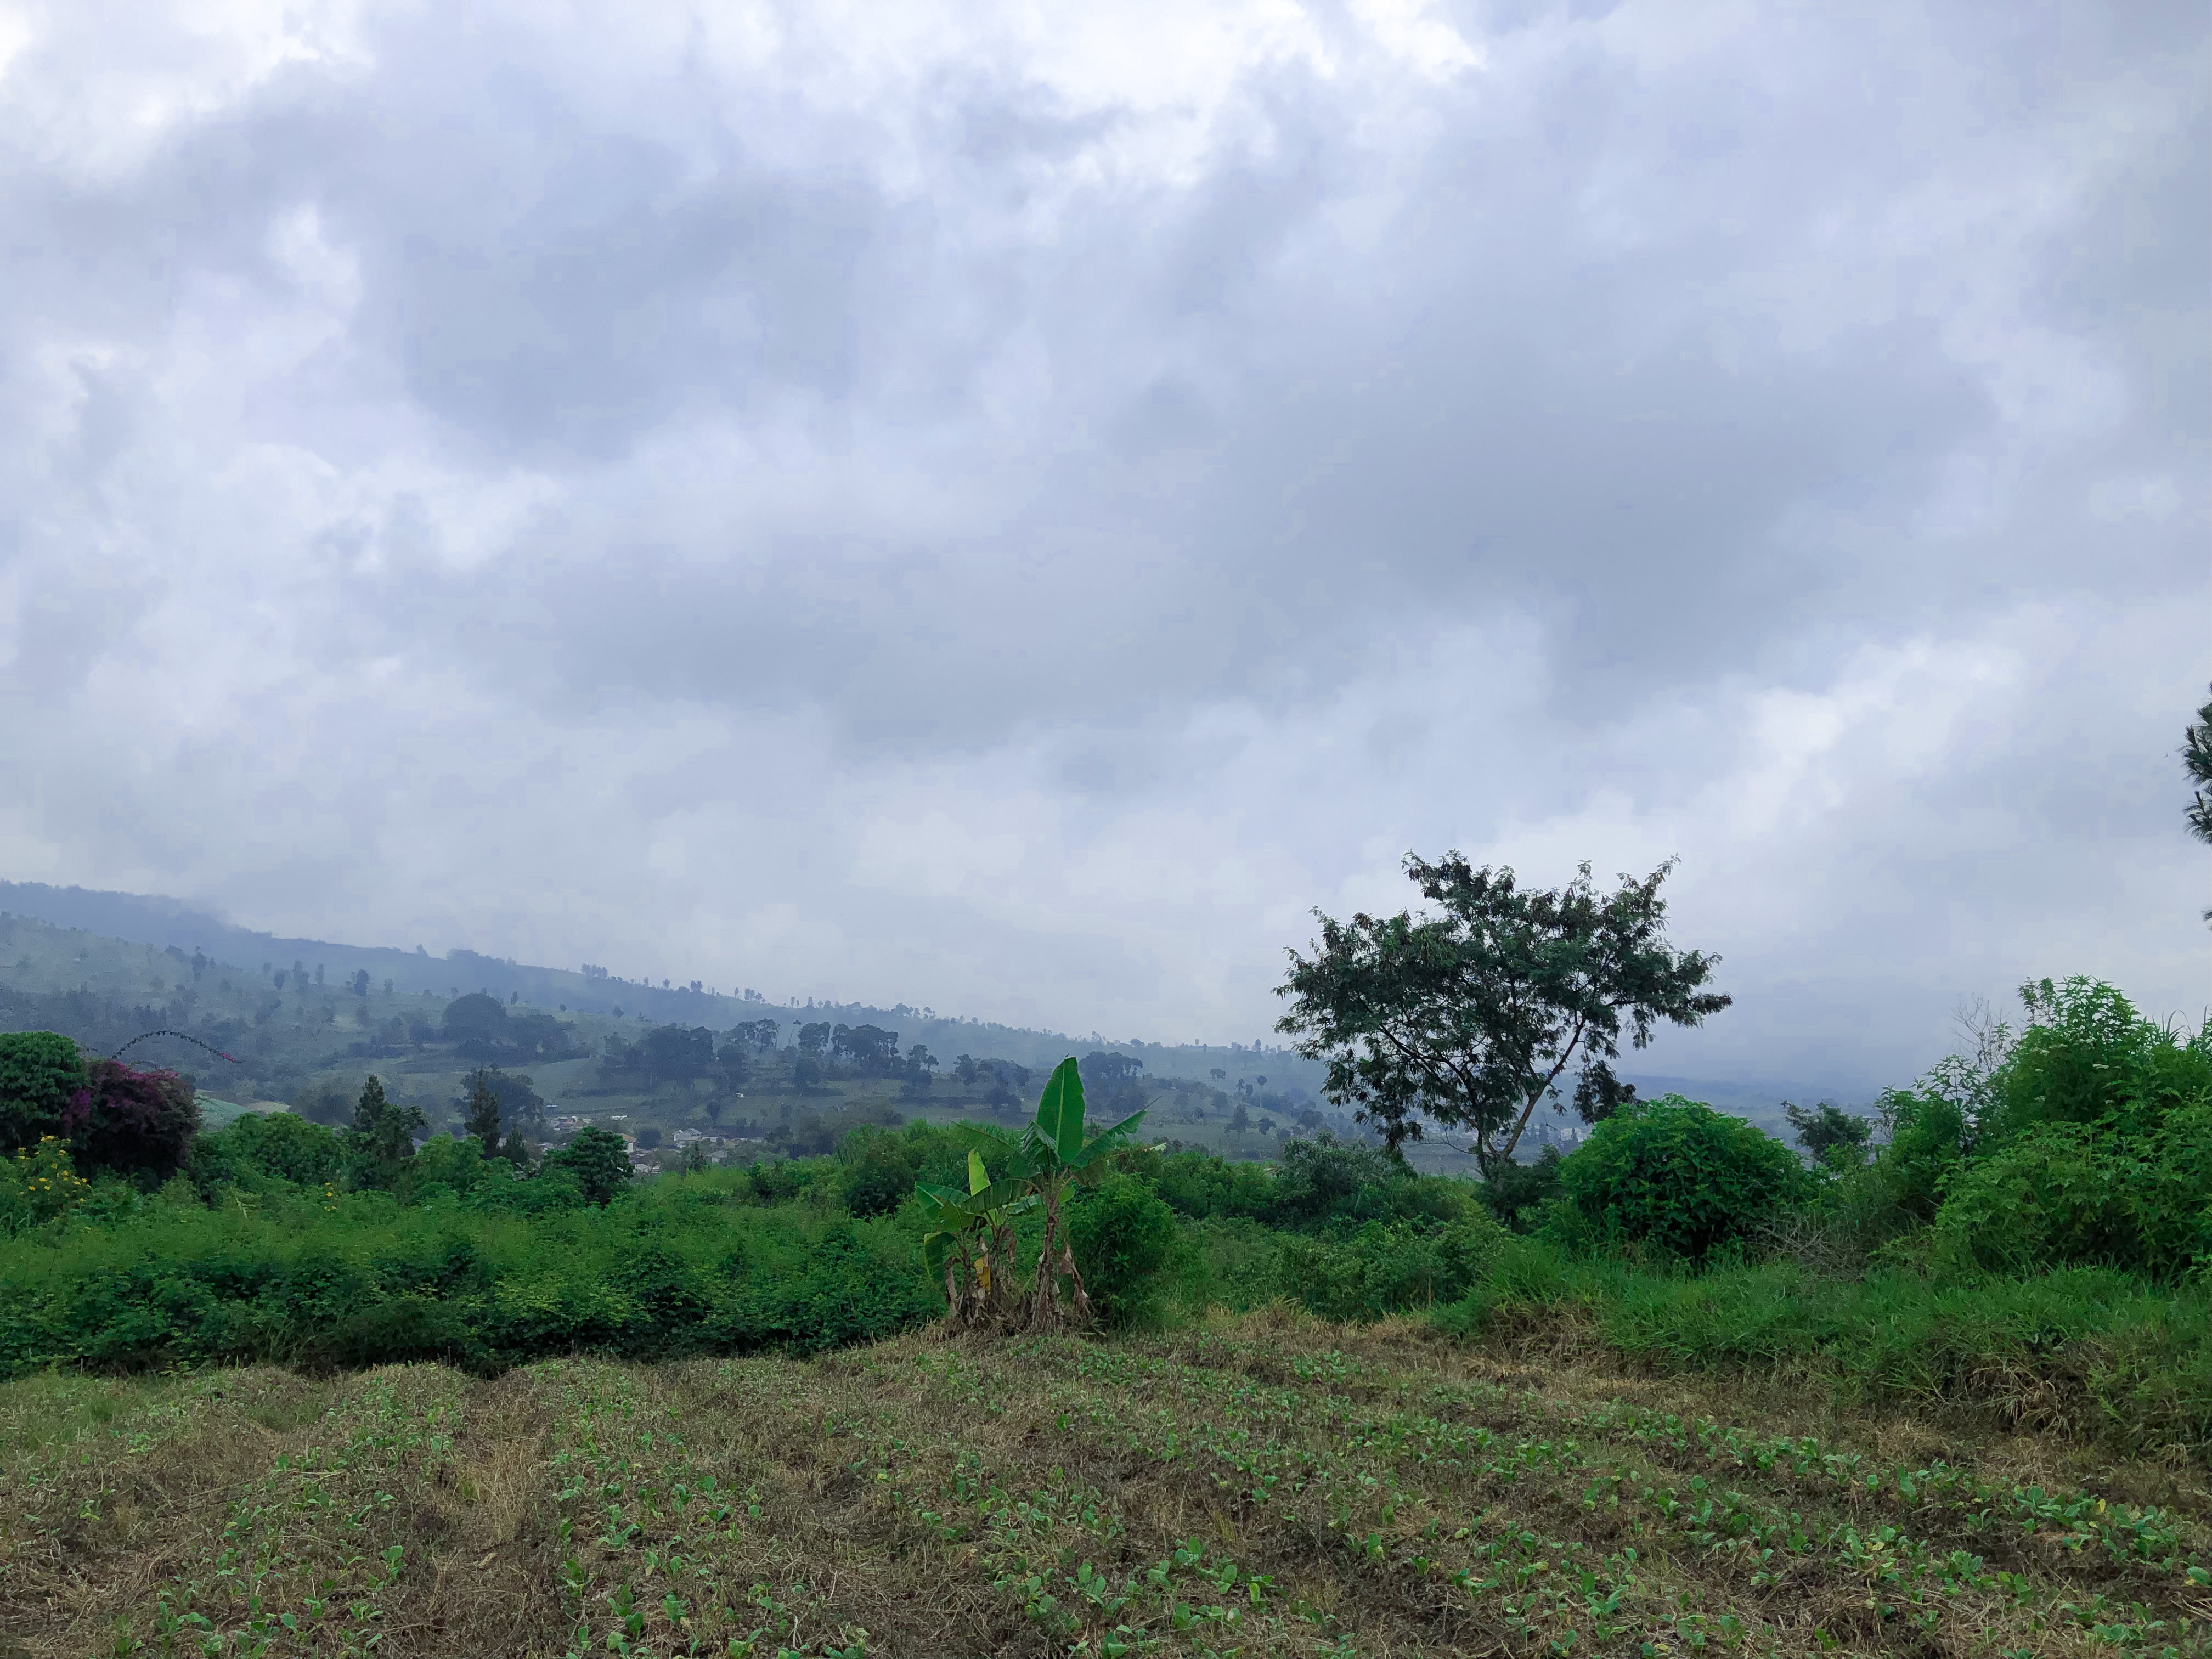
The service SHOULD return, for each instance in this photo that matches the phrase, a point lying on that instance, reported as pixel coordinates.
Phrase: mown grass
(1263, 1484)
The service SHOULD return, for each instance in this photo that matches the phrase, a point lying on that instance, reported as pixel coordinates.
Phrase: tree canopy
(1469, 1016)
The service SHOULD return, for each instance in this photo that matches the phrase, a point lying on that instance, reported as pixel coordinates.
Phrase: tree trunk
(1076, 1293)
(1044, 1300)
(1001, 1302)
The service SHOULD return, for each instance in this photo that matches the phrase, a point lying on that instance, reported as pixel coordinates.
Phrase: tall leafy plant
(1055, 1156)
(1045, 1162)
(969, 1248)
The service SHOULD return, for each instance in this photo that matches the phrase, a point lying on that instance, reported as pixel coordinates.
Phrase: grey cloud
(1497, 440)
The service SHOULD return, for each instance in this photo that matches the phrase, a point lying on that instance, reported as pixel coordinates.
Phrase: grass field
(1261, 1484)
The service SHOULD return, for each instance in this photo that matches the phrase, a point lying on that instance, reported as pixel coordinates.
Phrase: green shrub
(878, 1166)
(1229, 1262)
(784, 1179)
(2084, 1058)
(1388, 1267)
(1324, 1180)
(2169, 1199)
(264, 1147)
(1928, 1139)
(2055, 1195)
(1201, 1185)
(1678, 1178)
(676, 1266)
(877, 1182)
(1125, 1239)
(39, 1073)
(2072, 1194)
(1517, 1193)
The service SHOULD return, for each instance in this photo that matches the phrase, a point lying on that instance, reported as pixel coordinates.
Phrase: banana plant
(1052, 1156)
(971, 1245)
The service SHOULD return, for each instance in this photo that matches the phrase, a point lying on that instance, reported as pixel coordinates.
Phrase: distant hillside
(167, 925)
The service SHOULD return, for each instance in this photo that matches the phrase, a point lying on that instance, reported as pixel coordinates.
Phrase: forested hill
(164, 923)
(168, 924)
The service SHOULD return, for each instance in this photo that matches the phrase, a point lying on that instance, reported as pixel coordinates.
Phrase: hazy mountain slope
(166, 924)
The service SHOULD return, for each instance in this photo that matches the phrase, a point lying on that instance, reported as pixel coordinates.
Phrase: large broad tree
(1469, 1016)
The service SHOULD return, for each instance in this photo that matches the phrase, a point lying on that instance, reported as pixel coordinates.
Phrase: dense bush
(261, 1148)
(2054, 1194)
(1200, 1185)
(1517, 1193)
(2064, 1193)
(2083, 1142)
(1320, 1185)
(680, 1265)
(878, 1166)
(135, 1123)
(1678, 1178)
(112, 1116)
(2087, 1057)
(1388, 1267)
(39, 1073)
(1125, 1239)
(1930, 1136)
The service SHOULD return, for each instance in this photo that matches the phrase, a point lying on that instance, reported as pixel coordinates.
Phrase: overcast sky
(1010, 507)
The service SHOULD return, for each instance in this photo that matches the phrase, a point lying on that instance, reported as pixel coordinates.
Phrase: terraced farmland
(1260, 1486)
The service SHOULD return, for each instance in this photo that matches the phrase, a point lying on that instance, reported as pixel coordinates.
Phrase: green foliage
(260, 1148)
(877, 1181)
(1515, 1194)
(597, 1161)
(1201, 1185)
(2196, 762)
(1125, 1240)
(2077, 1143)
(39, 1185)
(1318, 1185)
(1678, 1178)
(383, 1136)
(2055, 1194)
(2071, 1193)
(678, 1266)
(39, 1073)
(1470, 1017)
(1928, 1139)
(1326, 1180)
(1386, 1267)
(783, 1180)
(482, 1119)
(2084, 1058)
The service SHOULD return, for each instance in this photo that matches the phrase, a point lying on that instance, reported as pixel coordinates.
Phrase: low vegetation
(1261, 1484)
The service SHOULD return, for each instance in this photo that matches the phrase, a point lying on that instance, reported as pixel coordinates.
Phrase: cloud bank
(1011, 506)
